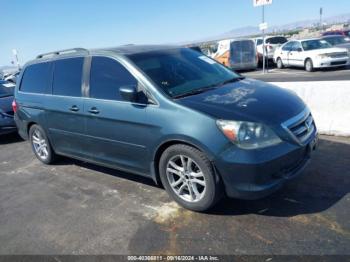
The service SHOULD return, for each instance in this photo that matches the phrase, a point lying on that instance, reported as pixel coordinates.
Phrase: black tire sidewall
(279, 63)
(311, 65)
(210, 197)
(50, 157)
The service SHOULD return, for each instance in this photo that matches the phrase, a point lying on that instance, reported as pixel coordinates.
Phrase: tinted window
(36, 78)
(181, 71)
(276, 40)
(106, 78)
(259, 42)
(67, 77)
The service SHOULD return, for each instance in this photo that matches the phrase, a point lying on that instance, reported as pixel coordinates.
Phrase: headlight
(322, 56)
(248, 135)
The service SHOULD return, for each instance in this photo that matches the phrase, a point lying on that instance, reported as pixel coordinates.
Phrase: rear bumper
(262, 173)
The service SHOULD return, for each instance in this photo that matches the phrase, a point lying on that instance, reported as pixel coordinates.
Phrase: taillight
(14, 106)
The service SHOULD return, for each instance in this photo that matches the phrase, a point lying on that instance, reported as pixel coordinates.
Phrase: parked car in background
(271, 44)
(7, 124)
(310, 54)
(338, 41)
(237, 54)
(11, 77)
(337, 32)
(167, 113)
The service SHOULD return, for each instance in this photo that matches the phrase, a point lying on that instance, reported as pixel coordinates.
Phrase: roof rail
(62, 52)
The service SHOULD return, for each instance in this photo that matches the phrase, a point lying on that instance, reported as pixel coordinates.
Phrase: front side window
(67, 77)
(315, 44)
(181, 71)
(36, 78)
(107, 76)
(288, 46)
(296, 46)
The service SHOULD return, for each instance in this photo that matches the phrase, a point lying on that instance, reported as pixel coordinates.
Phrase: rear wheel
(279, 63)
(309, 66)
(41, 145)
(189, 178)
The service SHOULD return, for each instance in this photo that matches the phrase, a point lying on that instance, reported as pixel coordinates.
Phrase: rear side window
(107, 76)
(36, 78)
(276, 40)
(67, 77)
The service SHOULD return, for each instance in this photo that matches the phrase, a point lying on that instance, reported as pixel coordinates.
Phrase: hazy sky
(36, 26)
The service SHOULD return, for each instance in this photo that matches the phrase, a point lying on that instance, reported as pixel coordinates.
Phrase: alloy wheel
(40, 145)
(186, 178)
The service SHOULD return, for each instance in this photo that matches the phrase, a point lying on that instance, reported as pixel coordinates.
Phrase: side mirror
(128, 93)
(299, 49)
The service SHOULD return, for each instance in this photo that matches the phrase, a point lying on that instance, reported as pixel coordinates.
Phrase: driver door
(117, 129)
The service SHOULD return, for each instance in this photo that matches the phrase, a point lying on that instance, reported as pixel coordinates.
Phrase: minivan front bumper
(253, 175)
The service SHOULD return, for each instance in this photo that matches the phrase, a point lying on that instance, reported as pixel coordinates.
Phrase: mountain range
(254, 30)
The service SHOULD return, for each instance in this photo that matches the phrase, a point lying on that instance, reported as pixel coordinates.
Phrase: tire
(38, 139)
(309, 66)
(197, 187)
(279, 63)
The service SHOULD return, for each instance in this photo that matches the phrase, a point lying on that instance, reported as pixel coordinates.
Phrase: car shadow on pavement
(105, 170)
(324, 182)
(10, 138)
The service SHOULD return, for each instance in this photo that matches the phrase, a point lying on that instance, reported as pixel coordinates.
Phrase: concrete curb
(329, 102)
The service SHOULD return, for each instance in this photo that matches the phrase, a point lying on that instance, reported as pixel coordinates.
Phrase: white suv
(271, 44)
(310, 54)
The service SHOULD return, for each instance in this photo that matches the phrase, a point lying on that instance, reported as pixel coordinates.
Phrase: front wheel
(279, 63)
(309, 66)
(189, 178)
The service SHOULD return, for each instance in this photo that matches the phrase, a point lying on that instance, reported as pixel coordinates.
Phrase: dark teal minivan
(168, 113)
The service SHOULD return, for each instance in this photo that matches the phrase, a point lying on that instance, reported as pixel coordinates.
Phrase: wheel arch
(166, 144)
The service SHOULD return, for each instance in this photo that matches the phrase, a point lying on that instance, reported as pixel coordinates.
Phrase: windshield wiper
(195, 92)
(204, 89)
(235, 79)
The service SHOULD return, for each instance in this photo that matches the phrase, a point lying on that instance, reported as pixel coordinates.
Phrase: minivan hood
(247, 100)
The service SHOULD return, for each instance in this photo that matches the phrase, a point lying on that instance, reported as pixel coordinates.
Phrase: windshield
(337, 40)
(180, 71)
(276, 40)
(6, 89)
(315, 44)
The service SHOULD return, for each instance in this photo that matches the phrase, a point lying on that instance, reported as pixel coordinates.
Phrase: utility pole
(263, 26)
(264, 51)
(321, 23)
(15, 54)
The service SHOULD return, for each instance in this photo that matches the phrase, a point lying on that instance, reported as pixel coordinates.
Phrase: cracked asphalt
(77, 208)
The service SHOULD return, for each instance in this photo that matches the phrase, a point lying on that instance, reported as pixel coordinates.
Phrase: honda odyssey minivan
(168, 113)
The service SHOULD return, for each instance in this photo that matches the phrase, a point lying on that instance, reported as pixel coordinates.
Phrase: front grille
(301, 127)
(338, 55)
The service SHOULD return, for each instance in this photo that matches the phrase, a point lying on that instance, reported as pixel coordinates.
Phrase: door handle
(74, 108)
(94, 110)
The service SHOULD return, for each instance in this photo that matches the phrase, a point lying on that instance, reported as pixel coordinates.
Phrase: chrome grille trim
(300, 127)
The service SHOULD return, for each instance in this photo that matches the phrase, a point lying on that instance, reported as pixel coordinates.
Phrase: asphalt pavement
(77, 208)
(299, 74)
